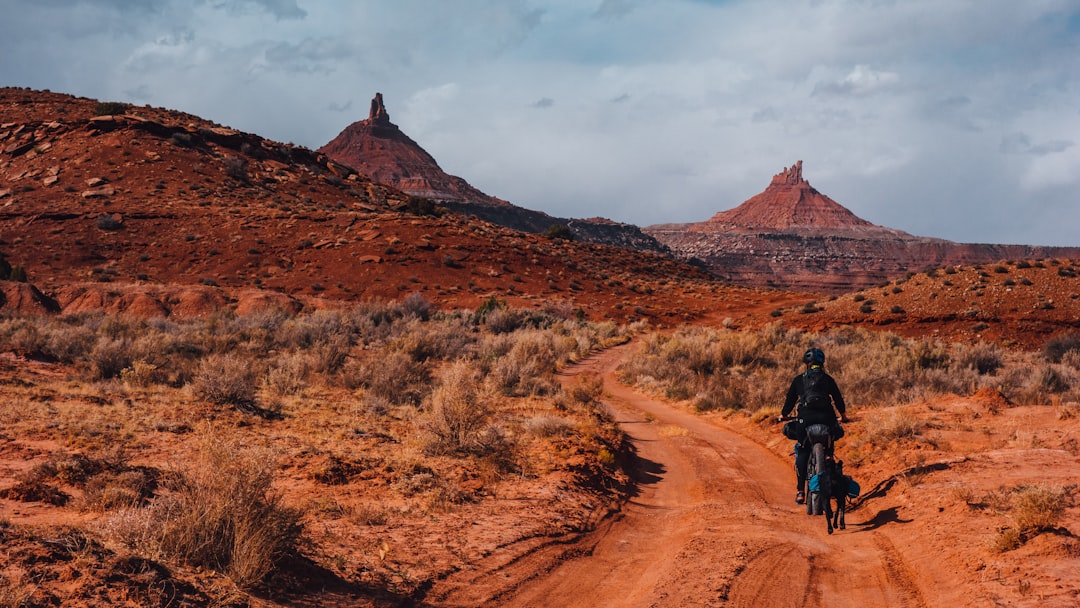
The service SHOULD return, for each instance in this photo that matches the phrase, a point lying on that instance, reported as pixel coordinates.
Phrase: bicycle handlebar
(787, 418)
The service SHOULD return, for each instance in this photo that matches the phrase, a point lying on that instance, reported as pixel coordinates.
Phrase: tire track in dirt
(713, 524)
(900, 575)
(770, 578)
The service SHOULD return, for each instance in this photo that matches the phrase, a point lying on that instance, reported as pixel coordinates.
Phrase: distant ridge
(792, 236)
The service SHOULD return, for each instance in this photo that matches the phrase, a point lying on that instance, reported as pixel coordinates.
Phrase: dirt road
(714, 524)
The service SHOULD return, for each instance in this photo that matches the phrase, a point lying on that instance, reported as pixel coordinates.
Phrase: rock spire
(790, 176)
(378, 110)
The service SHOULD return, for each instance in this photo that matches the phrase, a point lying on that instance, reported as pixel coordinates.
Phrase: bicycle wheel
(815, 504)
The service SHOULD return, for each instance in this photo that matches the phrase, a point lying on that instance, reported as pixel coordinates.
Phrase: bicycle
(819, 469)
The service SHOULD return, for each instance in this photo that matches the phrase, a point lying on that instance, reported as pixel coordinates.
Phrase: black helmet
(814, 356)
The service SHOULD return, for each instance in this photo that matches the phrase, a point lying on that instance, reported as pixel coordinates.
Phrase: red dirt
(714, 523)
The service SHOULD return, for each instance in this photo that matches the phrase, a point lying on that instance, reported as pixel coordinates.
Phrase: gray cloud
(313, 56)
(862, 81)
(280, 9)
(609, 9)
(1051, 147)
(666, 111)
(766, 114)
(1020, 143)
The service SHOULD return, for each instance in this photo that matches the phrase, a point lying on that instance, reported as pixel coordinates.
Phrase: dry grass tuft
(221, 513)
(226, 380)
(1034, 509)
(1039, 508)
(458, 413)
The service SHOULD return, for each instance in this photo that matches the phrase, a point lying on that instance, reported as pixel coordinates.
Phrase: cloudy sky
(957, 119)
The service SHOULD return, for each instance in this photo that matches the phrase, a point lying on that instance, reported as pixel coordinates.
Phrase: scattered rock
(104, 191)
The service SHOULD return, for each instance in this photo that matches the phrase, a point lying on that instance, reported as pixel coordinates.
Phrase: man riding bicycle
(816, 394)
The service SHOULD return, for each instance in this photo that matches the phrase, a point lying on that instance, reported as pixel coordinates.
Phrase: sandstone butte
(378, 148)
(792, 236)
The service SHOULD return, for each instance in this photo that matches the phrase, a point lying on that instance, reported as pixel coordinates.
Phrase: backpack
(814, 396)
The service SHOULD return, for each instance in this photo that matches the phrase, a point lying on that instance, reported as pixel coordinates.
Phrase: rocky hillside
(793, 236)
(1016, 302)
(159, 213)
(379, 149)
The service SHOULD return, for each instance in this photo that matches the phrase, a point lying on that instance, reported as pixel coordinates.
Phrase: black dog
(838, 491)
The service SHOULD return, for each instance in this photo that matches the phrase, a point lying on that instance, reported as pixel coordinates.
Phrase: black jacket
(828, 385)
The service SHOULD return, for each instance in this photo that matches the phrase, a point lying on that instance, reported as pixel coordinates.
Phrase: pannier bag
(794, 430)
(853, 488)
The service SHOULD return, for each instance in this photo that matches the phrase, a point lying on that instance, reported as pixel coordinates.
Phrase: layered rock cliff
(792, 236)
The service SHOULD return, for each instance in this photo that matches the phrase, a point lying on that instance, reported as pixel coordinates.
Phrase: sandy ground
(714, 524)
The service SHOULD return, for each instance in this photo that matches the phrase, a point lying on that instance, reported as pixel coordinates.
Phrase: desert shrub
(395, 377)
(1006, 540)
(752, 369)
(220, 513)
(982, 357)
(1071, 359)
(889, 427)
(485, 308)
(529, 367)
(559, 231)
(504, 320)
(721, 392)
(929, 354)
(23, 337)
(328, 356)
(417, 306)
(1058, 346)
(226, 380)
(287, 375)
(182, 139)
(305, 331)
(1038, 508)
(109, 358)
(110, 108)
(1052, 380)
(587, 389)
(236, 167)
(139, 374)
(548, 426)
(448, 339)
(458, 411)
(70, 343)
(124, 489)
